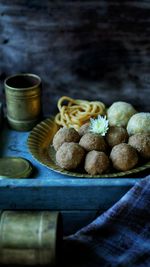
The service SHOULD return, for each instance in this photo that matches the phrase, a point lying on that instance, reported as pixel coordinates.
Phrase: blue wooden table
(79, 200)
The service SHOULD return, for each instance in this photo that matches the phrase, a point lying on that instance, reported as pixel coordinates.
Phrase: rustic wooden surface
(80, 200)
(85, 49)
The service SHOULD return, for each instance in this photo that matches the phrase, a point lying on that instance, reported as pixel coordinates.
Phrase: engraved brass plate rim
(39, 144)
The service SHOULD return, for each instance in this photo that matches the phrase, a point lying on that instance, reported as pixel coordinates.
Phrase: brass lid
(15, 167)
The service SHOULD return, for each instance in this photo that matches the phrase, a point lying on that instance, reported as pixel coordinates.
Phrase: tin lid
(15, 167)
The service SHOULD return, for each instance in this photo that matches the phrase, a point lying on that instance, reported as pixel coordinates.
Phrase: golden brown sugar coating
(96, 162)
(69, 155)
(124, 157)
(116, 135)
(91, 141)
(141, 142)
(84, 129)
(65, 135)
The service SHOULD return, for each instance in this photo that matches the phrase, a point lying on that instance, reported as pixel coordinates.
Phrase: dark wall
(84, 49)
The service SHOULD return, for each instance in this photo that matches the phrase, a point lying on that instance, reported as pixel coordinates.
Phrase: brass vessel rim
(23, 75)
(25, 171)
(22, 121)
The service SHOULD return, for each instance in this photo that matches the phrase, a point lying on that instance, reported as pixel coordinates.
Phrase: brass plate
(39, 143)
(14, 167)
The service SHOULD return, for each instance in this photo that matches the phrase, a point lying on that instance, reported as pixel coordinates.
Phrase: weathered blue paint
(78, 199)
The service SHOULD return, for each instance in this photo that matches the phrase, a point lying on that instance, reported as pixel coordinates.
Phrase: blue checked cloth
(120, 237)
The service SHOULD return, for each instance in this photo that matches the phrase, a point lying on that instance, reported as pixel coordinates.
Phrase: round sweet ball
(141, 142)
(84, 129)
(116, 135)
(139, 123)
(65, 135)
(124, 157)
(70, 155)
(119, 113)
(96, 162)
(91, 141)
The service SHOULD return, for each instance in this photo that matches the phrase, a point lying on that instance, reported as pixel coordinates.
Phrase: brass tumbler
(23, 101)
(30, 238)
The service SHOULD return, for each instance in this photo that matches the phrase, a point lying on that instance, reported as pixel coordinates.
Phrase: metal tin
(23, 101)
(15, 167)
(30, 237)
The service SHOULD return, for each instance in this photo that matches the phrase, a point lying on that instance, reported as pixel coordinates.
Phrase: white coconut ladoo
(139, 123)
(119, 113)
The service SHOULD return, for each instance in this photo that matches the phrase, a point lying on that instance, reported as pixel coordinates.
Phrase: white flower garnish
(99, 125)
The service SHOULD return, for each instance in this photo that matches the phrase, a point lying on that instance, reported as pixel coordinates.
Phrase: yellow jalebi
(75, 112)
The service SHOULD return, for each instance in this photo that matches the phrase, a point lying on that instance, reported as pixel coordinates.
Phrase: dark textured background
(84, 49)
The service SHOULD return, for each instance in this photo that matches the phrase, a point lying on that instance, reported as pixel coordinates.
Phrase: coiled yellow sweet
(76, 112)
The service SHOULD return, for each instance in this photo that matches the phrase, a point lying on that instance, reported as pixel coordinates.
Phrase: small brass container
(15, 167)
(30, 238)
(23, 101)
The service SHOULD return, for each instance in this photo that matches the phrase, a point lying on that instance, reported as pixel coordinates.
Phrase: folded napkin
(120, 237)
